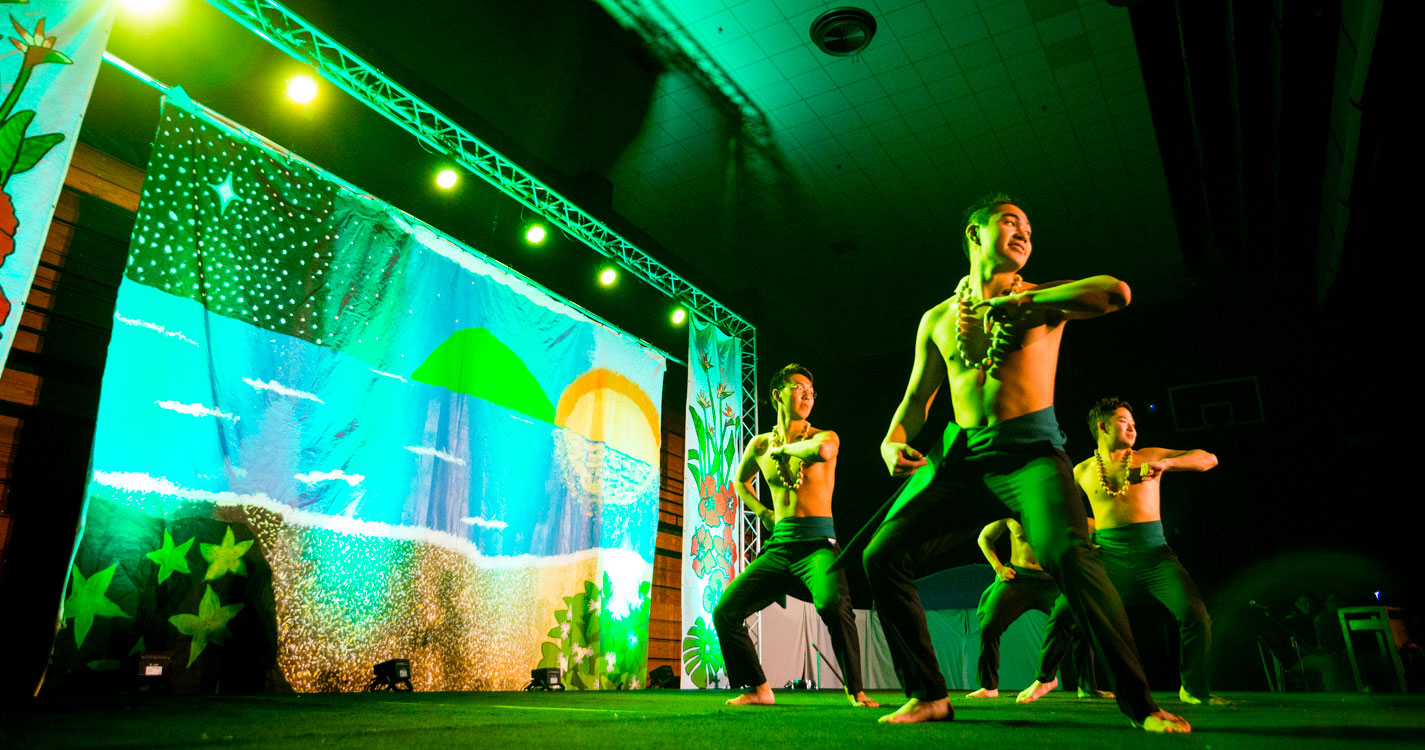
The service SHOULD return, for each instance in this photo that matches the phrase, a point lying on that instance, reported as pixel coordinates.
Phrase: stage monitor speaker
(392, 674)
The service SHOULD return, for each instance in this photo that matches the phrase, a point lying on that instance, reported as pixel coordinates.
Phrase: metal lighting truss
(290, 33)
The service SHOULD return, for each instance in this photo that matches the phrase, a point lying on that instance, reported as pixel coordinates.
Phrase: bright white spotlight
(608, 276)
(146, 6)
(534, 235)
(446, 179)
(301, 88)
(679, 315)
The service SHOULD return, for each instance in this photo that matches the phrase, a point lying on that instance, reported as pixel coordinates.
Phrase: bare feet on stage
(1092, 694)
(1036, 691)
(758, 696)
(861, 700)
(915, 711)
(1162, 722)
(1210, 700)
(983, 693)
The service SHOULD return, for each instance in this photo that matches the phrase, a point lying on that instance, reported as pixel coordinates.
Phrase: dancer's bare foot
(1210, 700)
(860, 699)
(916, 710)
(758, 696)
(1162, 722)
(1094, 693)
(1036, 691)
(984, 693)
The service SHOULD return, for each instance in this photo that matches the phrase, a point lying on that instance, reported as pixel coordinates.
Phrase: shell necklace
(1000, 341)
(784, 461)
(1103, 476)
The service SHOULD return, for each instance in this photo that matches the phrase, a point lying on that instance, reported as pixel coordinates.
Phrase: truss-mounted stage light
(534, 235)
(446, 179)
(393, 674)
(679, 315)
(608, 275)
(302, 88)
(544, 678)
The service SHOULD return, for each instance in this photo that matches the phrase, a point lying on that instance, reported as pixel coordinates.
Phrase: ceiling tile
(796, 61)
(913, 100)
(813, 82)
(947, 89)
(1016, 41)
(1060, 27)
(1006, 16)
(829, 103)
(987, 77)
(901, 79)
(1028, 63)
(780, 37)
(925, 44)
(908, 21)
(884, 57)
(1040, 10)
(976, 54)
(755, 15)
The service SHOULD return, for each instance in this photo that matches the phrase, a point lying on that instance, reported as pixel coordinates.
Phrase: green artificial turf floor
(679, 720)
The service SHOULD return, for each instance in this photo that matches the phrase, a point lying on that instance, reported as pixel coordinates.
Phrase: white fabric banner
(58, 46)
(711, 542)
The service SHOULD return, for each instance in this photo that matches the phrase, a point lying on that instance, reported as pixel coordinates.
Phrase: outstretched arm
(746, 472)
(1086, 298)
(1158, 460)
(926, 375)
(823, 446)
(988, 536)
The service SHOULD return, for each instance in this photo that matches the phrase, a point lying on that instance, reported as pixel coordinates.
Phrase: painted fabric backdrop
(329, 437)
(711, 523)
(48, 75)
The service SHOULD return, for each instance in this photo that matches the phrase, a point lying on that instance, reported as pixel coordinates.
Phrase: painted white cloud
(197, 410)
(388, 374)
(136, 486)
(281, 390)
(421, 450)
(156, 328)
(336, 475)
(484, 524)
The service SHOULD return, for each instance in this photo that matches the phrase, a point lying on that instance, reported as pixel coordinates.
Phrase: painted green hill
(473, 361)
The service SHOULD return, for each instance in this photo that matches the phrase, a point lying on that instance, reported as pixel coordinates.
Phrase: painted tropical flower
(703, 400)
(727, 410)
(717, 505)
(712, 593)
(703, 360)
(723, 391)
(37, 47)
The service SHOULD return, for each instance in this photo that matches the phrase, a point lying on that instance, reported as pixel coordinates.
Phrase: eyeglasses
(804, 389)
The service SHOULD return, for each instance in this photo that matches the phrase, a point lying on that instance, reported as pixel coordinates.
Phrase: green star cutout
(170, 559)
(87, 601)
(226, 557)
(209, 625)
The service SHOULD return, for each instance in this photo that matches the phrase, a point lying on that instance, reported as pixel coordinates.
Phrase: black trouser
(1061, 637)
(785, 567)
(1003, 603)
(1155, 571)
(1039, 485)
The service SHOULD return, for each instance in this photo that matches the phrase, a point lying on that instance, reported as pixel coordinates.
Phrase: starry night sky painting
(329, 436)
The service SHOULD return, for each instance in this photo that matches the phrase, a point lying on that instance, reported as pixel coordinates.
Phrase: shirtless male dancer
(799, 463)
(1019, 587)
(1122, 485)
(996, 343)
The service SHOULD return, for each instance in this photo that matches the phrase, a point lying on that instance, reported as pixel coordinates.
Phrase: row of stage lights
(303, 89)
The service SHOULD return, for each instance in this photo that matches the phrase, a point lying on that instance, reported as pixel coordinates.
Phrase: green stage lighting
(301, 89)
(608, 276)
(446, 179)
(679, 315)
(534, 235)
